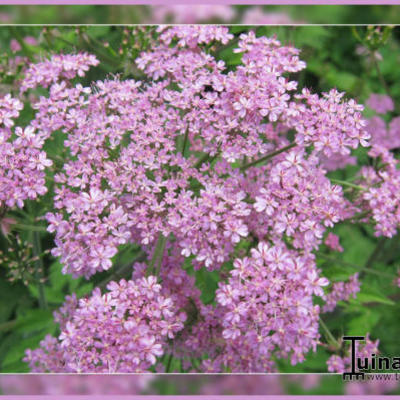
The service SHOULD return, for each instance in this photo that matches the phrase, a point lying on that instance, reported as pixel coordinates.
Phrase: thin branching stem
(268, 156)
(156, 260)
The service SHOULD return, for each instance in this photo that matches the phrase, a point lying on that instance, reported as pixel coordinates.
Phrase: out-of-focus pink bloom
(257, 15)
(332, 241)
(193, 13)
(6, 224)
(381, 103)
(341, 291)
(15, 46)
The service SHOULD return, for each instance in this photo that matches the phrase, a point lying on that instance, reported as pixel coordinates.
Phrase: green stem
(21, 42)
(185, 140)
(9, 325)
(169, 363)
(37, 250)
(378, 273)
(330, 338)
(356, 34)
(31, 228)
(373, 257)
(98, 49)
(359, 269)
(268, 156)
(202, 160)
(50, 178)
(382, 80)
(360, 216)
(336, 260)
(380, 76)
(156, 260)
(349, 184)
(120, 272)
(194, 363)
(65, 41)
(375, 254)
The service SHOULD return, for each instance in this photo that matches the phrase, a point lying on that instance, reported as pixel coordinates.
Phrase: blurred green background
(89, 14)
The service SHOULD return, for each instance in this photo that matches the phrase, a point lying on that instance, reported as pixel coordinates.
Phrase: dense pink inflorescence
(332, 241)
(297, 199)
(138, 137)
(195, 165)
(381, 197)
(381, 103)
(268, 308)
(382, 134)
(59, 67)
(341, 291)
(122, 330)
(22, 160)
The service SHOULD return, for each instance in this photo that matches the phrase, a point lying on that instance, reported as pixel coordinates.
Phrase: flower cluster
(381, 103)
(199, 164)
(22, 160)
(331, 124)
(9, 110)
(382, 193)
(383, 135)
(341, 291)
(193, 35)
(268, 308)
(122, 330)
(332, 241)
(59, 67)
(296, 199)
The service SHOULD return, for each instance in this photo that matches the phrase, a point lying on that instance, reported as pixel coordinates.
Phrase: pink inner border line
(209, 397)
(159, 2)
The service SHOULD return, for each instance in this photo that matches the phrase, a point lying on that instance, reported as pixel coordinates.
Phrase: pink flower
(316, 283)
(151, 349)
(125, 324)
(380, 103)
(332, 241)
(6, 224)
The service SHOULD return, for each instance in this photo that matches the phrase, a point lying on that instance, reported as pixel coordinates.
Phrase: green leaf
(17, 353)
(10, 296)
(34, 321)
(207, 282)
(31, 327)
(315, 36)
(60, 285)
(338, 273)
(314, 362)
(369, 295)
(357, 247)
(364, 323)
